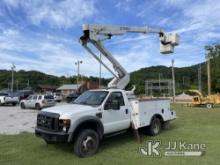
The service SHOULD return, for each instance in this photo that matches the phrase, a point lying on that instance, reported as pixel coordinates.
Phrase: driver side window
(115, 97)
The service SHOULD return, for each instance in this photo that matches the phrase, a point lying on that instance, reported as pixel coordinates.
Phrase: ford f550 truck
(98, 113)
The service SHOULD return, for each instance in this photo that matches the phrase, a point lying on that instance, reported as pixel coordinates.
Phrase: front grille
(48, 121)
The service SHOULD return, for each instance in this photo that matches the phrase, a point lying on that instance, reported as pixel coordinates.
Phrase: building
(46, 88)
(87, 85)
(67, 89)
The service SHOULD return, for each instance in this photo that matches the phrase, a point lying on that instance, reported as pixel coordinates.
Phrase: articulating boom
(95, 34)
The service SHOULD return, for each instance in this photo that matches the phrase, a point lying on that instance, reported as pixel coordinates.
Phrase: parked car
(23, 94)
(58, 97)
(38, 102)
(71, 97)
(8, 98)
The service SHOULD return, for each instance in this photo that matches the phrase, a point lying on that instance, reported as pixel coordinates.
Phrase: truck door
(28, 101)
(115, 118)
(32, 102)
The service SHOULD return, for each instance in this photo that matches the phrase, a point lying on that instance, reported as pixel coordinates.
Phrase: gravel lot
(14, 120)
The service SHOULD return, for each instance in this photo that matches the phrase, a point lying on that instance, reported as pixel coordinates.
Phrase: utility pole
(28, 84)
(159, 82)
(8, 86)
(12, 77)
(17, 85)
(208, 57)
(100, 71)
(78, 63)
(209, 76)
(173, 78)
(200, 78)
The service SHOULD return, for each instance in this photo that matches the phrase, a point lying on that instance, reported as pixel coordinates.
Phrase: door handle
(126, 111)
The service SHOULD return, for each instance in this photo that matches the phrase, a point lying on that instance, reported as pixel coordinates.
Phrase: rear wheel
(155, 127)
(86, 143)
(22, 106)
(37, 106)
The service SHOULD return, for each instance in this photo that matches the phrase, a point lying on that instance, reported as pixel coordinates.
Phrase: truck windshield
(93, 98)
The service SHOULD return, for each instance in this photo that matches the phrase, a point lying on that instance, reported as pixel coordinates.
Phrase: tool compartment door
(144, 110)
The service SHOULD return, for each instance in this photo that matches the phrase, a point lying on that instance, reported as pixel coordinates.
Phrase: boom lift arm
(95, 34)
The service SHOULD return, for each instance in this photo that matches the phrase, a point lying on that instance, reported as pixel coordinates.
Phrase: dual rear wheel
(155, 127)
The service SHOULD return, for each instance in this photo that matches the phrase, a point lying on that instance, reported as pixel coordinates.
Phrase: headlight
(65, 124)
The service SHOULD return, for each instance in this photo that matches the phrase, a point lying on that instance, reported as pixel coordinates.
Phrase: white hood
(71, 109)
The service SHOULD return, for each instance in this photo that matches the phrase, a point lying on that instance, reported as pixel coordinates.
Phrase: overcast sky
(43, 34)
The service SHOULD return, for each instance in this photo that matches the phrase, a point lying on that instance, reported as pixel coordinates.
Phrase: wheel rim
(88, 144)
(209, 105)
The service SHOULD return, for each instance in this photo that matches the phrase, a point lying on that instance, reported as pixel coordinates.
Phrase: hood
(70, 109)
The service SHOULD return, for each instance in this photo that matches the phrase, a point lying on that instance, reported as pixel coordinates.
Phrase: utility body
(102, 112)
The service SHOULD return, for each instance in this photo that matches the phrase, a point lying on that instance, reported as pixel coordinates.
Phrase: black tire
(14, 104)
(37, 106)
(86, 143)
(68, 100)
(22, 106)
(155, 127)
(209, 105)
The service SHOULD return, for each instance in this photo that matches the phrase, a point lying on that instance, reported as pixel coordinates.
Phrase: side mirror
(114, 104)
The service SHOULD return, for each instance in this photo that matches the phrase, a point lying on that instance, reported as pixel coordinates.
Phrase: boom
(95, 34)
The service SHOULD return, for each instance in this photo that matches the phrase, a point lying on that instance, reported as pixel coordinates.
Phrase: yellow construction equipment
(209, 100)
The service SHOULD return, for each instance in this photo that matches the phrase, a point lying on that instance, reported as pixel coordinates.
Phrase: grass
(194, 125)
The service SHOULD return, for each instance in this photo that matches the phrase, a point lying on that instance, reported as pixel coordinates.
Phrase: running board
(114, 134)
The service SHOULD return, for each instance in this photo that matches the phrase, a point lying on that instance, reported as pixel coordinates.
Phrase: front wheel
(209, 106)
(86, 143)
(22, 106)
(155, 127)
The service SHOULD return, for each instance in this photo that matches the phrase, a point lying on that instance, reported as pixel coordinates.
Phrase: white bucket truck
(98, 113)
